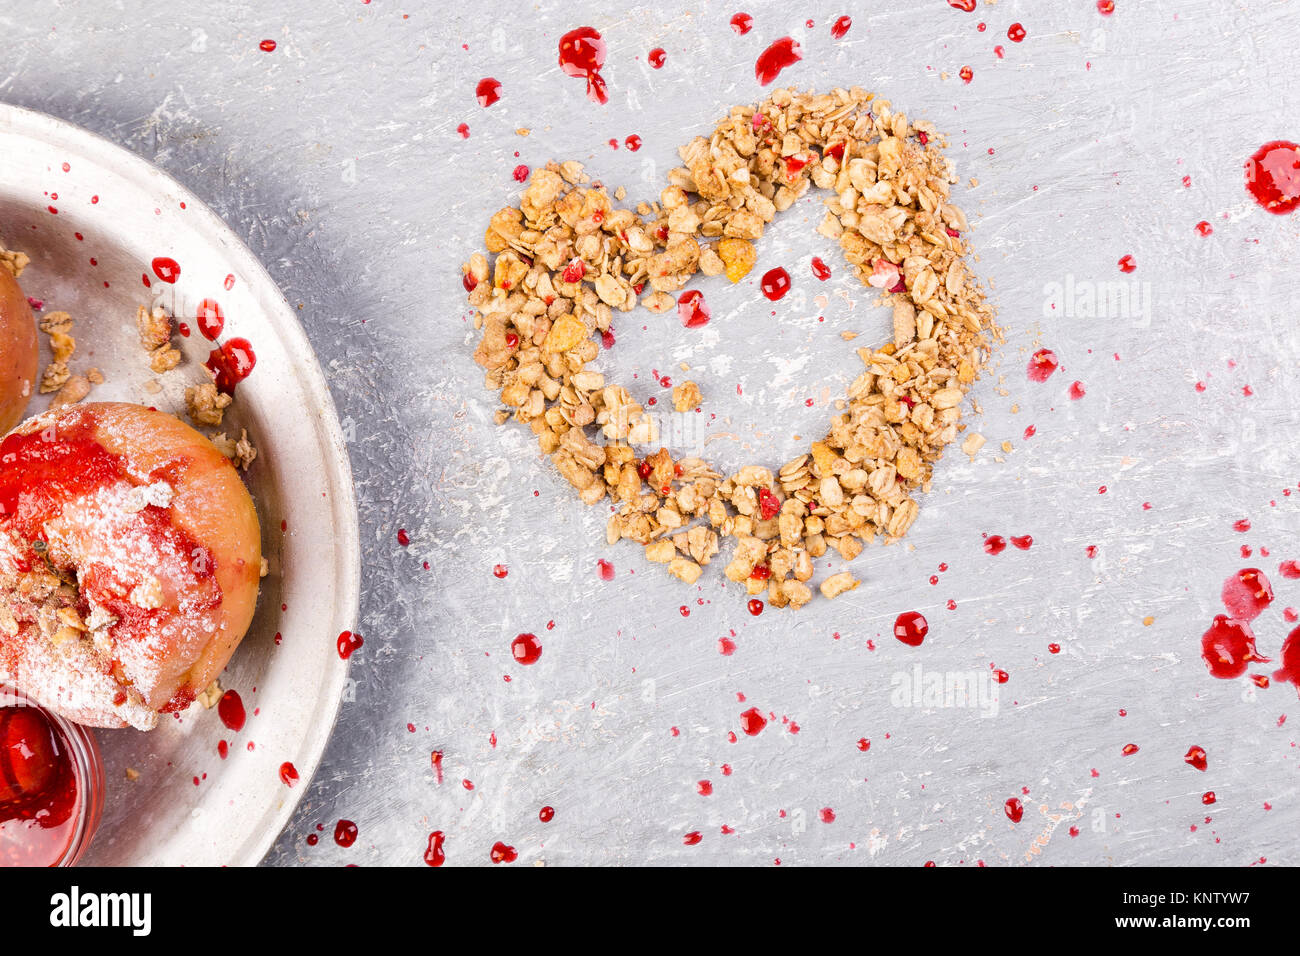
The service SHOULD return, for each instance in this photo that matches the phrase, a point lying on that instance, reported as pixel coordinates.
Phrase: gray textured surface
(337, 159)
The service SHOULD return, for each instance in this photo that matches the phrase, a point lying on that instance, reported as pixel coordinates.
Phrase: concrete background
(336, 157)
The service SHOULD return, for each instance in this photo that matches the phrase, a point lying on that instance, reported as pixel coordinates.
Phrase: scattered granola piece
(205, 404)
(686, 396)
(74, 389)
(837, 584)
(210, 695)
(973, 443)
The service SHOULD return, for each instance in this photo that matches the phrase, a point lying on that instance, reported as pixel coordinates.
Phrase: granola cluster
(566, 259)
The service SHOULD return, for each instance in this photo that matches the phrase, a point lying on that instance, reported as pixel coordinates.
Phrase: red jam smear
(782, 53)
(231, 363)
(1273, 176)
(39, 800)
(582, 54)
(43, 472)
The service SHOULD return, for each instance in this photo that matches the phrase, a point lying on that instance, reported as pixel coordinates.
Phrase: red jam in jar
(51, 785)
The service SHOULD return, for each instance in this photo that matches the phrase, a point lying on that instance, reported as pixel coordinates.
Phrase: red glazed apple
(18, 352)
(130, 557)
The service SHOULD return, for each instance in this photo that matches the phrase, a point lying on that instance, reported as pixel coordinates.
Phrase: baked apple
(18, 351)
(130, 557)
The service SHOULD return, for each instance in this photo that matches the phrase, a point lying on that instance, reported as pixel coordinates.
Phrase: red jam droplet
(1228, 647)
(526, 649)
(1127, 264)
(752, 722)
(820, 269)
(288, 774)
(348, 643)
(911, 628)
(1290, 669)
(1016, 33)
(1246, 593)
(503, 854)
(211, 319)
(605, 570)
(995, 544)
(782, 53)
(231, 710)
(267, 46)
(166, 269)
(693, 310)
(231, 364)
(1196, 757)
(1042, 364)
(582, 54)
(742, 23)
(1273, 176)
(345, 833)
(776, 283)
(488, 91)
(657, 57)
(841, 26)
(1015, 810)
(434, 855)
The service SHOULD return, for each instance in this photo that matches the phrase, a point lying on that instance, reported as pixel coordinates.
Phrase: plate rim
(56, 131)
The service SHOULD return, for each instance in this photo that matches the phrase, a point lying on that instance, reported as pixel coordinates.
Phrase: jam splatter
(841, 26)
(345, 833)
(267, 46)
(605, 570)
(1077, 391)
(435, 855)
(657, 58)
(526, 649)
(742, 23)
(1290, 669)
(211, 319)
(582, 54)
(166, 269)
(1042, 364)
(1196, 757)
(966, 6)
(288, 774)
(775, 283)
(488, 91)
(348, 643)
(231, 710)
(1016, 33)
(995, 544)
(503, 854)
(231, 364)
(1014, 809)
(1246, 594)
(1273, 176)
(1127, 264)
(967, 74)
(752, 722)
(1024, 542)
(911, 627)
(693, 310)
(546, 814)
(820, 269)
(781, 54)
(1228, 647)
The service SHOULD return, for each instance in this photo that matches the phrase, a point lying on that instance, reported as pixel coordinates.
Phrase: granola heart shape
(566, 259)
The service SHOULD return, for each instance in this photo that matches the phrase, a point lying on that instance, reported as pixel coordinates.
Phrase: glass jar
(51, 785)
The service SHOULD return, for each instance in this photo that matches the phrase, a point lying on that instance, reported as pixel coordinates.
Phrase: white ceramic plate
(93, 217)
